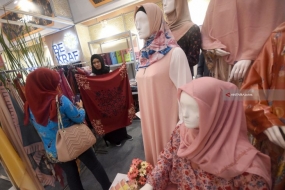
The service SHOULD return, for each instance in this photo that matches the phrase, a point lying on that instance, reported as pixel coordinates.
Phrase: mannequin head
(168, 6)
(190, 111)
(142, 23)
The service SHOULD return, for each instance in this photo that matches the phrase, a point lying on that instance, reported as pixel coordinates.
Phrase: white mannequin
(274, 135)
(168, 6)
(190, 112)
(142, 25)
(178, 56)
(240, 68)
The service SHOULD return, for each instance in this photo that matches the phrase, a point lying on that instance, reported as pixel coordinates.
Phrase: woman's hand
(79, 104)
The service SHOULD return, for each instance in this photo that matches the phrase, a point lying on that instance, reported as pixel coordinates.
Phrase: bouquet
(139, 170)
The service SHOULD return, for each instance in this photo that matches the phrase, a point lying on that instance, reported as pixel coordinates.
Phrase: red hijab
(41, 90)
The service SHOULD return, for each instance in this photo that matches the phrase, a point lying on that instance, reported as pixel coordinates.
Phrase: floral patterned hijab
(161, 40)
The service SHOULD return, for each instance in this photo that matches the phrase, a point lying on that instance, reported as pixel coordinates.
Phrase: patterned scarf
(157, 46)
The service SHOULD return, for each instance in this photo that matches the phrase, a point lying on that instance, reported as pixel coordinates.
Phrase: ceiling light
(15, 2)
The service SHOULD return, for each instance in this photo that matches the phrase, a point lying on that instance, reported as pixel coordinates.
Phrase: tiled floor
(117, 160)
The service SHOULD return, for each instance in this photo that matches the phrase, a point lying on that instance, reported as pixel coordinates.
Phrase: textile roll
(119, 57)
(108, 59)
(113, 58)
(123, 55)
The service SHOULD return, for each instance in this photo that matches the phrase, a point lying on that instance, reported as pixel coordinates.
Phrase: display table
(118, 178)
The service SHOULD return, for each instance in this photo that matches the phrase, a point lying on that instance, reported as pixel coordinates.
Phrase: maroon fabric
(107, 100)
(20, 88)
(71, 80)
(65, 87)
(41, 90)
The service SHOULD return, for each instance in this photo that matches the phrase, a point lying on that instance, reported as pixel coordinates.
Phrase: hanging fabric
(20, 88)
(14, 93)
(107, 100)
(72, 81)
(65, 87)
(11, 133)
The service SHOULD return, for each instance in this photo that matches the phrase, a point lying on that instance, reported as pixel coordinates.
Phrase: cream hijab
(179, 21)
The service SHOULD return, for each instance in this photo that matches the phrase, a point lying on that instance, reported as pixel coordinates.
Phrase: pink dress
(171, 169)
(157, 90)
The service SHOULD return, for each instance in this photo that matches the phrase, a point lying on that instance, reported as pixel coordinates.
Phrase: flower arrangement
(139, 170)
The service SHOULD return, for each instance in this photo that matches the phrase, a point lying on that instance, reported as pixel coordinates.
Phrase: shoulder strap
(60, 125)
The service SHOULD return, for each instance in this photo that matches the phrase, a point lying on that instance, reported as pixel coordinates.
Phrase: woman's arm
(71, 111)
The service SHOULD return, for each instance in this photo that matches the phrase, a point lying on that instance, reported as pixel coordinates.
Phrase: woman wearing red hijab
(40, 109)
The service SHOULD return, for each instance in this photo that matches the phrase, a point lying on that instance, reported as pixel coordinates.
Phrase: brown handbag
(72, 141)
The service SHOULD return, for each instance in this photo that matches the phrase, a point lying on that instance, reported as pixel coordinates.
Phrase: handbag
(72, 141)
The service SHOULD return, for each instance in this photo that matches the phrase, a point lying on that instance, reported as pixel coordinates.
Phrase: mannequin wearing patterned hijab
(163, 67)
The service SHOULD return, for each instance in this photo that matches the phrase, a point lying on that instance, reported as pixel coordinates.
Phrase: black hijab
(104, 69)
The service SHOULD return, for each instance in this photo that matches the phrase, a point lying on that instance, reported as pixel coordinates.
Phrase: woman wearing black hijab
(99, 68)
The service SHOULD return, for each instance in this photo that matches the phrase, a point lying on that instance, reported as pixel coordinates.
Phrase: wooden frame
(97, 3)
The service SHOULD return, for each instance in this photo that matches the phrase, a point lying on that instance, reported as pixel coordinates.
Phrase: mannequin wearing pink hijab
(234, 32)
(210, 148)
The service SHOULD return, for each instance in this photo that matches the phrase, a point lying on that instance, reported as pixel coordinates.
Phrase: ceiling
(24, 8)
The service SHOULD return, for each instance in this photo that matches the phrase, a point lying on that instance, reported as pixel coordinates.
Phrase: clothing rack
(69, 64)
(32, 68)
(16, 70)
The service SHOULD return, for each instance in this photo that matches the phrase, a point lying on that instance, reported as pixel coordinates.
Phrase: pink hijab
(220, 145)
(161, 40)
(241, 27)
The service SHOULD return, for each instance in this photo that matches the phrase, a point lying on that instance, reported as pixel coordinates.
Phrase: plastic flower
(136, 161)
(144, 164)
(142, 180)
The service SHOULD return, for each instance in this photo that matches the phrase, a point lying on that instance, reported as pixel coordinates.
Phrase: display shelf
(103, 44)
(119, 64)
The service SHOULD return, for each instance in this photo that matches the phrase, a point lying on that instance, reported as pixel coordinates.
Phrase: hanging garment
(8, 127)
(72, 81)
(107, 100)
(65, 87)
(267, 79)
(15, 94)
(34, 148)
(20, 88)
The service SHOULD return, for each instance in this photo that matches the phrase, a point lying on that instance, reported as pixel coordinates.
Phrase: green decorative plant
(22, 52)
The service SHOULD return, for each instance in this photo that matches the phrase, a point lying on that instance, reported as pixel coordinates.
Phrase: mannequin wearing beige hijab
(185, 32)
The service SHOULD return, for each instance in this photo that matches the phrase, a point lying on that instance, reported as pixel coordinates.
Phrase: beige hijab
(154, 15)
(179, 21)
(241, 27)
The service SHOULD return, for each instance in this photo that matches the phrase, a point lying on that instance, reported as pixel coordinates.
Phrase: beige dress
(157, 90)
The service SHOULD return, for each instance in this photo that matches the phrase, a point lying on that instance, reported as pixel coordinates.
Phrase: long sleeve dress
(266, 80)
(180, 172)
(191, 43)
(157, 90)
